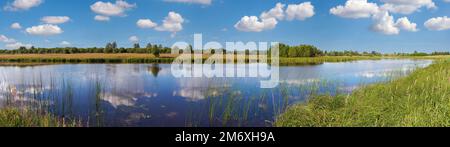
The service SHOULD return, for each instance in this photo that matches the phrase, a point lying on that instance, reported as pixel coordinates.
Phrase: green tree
(156, 52)
(292, 52)
(114, 45)
(136, 46)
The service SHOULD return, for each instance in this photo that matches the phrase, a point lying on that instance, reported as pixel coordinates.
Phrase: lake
(149, 95)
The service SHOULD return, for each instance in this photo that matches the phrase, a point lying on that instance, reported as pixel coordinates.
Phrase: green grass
(13, 117)
(147, 58)
(420, 99)
(84, 58)
(32, 59)
(34, 109)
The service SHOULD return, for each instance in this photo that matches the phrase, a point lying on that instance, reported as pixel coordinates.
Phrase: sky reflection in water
(148, 94)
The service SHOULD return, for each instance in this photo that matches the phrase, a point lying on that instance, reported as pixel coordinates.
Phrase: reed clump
(14, 117)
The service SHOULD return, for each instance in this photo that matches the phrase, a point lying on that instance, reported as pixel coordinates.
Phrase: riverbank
(84, 58)
(32, 59)
(420, 99)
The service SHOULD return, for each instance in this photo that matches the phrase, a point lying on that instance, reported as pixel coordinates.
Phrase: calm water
(148, 94)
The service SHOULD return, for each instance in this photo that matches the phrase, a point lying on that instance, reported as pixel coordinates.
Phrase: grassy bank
(420, 99)
(11, 59)
(13, 117)
(84, 58)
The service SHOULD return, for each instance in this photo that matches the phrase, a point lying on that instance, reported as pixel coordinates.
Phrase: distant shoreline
(136, 58)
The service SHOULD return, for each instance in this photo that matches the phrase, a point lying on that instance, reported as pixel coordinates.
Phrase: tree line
(416, 53)
(110, 48)
(312, 51)
(155, 49)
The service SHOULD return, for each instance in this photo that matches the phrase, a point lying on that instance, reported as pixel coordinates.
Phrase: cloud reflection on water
(148, 95)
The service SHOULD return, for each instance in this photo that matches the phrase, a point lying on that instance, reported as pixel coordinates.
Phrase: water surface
(148, 94)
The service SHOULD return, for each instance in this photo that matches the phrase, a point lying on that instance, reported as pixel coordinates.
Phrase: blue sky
(348, 27)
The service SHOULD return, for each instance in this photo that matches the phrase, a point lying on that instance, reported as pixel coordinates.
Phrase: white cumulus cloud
(269, 19)
(404, 24)
(384, 23)
(276, 12)
(101, 18)
(16, 25)
(172, 23)
(5, 39)
(133, 39)
(55, 19)
(65, 43)
(438, 23)
(17, 5)
(17, 45)
(355, 9)
(146, 23)
(253, 24)
(44, 30)
(301, 11)
(12, 43)
(108, 9)
(407, 6)
(203, 2)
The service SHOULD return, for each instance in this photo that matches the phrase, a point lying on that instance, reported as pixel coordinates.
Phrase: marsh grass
(229, 107)
(14, 117)
(32, 105)
(420, 99)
